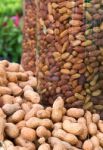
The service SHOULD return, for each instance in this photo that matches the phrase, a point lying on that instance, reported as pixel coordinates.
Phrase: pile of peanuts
(29, 32)
(26, 124)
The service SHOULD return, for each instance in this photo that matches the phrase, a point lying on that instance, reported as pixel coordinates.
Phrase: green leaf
(19, 39)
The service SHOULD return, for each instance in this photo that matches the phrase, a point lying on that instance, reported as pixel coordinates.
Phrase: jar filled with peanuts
(61, 67)
(93, 11)
(69, 52)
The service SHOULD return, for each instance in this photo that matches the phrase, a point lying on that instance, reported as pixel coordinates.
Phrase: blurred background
(11, 30)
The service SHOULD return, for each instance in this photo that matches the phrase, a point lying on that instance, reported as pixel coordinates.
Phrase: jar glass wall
(29, 36)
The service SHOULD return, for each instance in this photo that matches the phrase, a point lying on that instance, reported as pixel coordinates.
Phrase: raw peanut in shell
(18, 116)
(88, 117)
(44, 146)
(84, 134)
(27, 87)
(7, 99)
(44, 113)
(32, 81)
(13, 67)
(15, 89)
(32, 96)
(9, 109)
(35, 122)
(43, 132)
(87, 145)
(53, 141)
(75, 112)
(57, 112)
(24, 143)
(92, 128)
(95, 141)
(59, 147)
(11, 130)
(28, 134)
(73, 128)
(95, 118)
(34, 111)
(67, 137)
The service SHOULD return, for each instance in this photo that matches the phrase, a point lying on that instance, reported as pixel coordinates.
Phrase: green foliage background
(10, 35)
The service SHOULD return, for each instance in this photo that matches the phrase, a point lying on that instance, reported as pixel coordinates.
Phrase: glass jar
(70, 49)
(68, 43)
